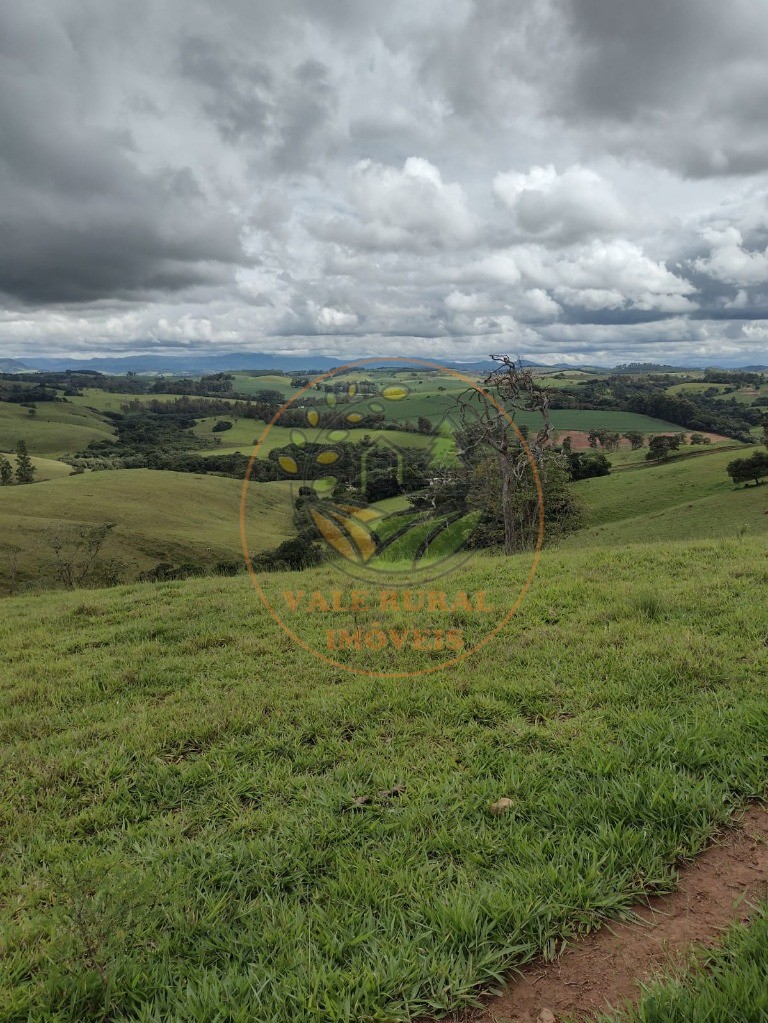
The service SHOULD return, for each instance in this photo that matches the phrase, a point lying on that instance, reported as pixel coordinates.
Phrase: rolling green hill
(203, 822)
(112, 401)
(689, 498)
(57, 428)
(45, 468)
(161, 517)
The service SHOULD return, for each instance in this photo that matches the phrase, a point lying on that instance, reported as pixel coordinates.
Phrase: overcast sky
(571, 180)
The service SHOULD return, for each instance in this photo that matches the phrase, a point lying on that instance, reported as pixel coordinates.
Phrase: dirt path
(605, 968)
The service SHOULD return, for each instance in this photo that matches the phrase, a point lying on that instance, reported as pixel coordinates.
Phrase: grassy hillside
(202, 822)
(57, 428)
(625, 456)
(160, 516)
(689, 498)
(112, 401)
(45, 468)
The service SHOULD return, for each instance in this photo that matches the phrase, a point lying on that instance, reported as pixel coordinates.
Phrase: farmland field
(246, 432)
(185, 832)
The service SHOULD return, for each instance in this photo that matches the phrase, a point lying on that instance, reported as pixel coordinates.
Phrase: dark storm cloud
(690, 76)
(79, 220)
(238, 95)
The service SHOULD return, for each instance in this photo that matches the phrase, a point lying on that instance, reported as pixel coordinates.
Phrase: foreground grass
(183, 837)
(727, 985)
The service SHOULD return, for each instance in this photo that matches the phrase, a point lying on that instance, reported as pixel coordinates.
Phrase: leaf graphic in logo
(313, 417)
(349, 537)
(327, 457)
(288, 465)
(363, 514)
(449, 537)
(396, 392)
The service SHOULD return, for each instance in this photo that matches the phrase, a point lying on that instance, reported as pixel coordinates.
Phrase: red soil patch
(604, 970)
(580, 438)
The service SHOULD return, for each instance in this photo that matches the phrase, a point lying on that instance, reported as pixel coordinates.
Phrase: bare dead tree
(77, 548)
(515, 390)
(13, 553)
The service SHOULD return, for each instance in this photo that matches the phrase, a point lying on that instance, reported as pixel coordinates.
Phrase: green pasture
(202, 821)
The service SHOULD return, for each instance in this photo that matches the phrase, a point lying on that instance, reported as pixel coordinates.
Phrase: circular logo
(366, 460)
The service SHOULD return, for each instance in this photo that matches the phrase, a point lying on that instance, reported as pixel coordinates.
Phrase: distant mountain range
(14, 366)
(194, 364)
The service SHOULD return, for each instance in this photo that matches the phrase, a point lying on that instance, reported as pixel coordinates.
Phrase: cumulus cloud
(408, 208)
(584, 180)
(730, 262)
(561, 208)
(330, 319)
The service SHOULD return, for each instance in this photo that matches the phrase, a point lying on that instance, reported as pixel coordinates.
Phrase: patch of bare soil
(605, 969)
(580, 438)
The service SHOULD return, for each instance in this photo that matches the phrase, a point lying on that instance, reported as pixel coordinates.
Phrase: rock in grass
(501, 806)
(546, 1016)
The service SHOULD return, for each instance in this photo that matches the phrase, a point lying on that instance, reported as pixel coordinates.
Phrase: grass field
(202, 822)
(688, 498)
(245, 432)
(45, 468)
(625, 456)
(161, 516)
(695, 387)
(744, 395)
(728, 985)
(57, 428)
(245, 383)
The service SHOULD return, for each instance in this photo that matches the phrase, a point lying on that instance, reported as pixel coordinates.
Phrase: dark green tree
(25, 471)
(745, 470)
(661, 447)
(6, 472)
(635, 438)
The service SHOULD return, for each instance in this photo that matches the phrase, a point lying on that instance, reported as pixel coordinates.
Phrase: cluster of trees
(233, 465)
(748, 470)
(366, 470)
(15, 394)
(648, 395)
(24, 471)
(584, 466)
(733, 377)
(608, 440)
(190, 407)
(213, 384)
(294, 555)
